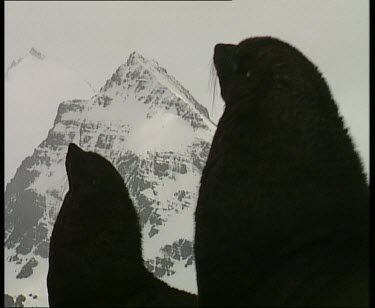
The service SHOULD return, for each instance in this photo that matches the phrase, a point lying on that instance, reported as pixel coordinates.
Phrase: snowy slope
(156, 135)
(34, 86)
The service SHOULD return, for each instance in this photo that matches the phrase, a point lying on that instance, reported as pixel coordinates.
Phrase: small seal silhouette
(95, 249)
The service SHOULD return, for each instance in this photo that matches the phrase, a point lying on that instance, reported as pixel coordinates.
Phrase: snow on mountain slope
(34, 86)
(156, 135)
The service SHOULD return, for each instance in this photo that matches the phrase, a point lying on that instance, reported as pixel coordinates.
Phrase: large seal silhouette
(282, 214)
(95, 255)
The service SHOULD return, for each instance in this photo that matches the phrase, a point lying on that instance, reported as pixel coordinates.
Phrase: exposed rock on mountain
(156, 135)
(34, 87)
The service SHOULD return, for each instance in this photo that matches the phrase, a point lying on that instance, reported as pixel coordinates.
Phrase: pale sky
(94, 38)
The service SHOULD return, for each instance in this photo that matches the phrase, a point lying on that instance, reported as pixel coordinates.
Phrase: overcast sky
(94, 38)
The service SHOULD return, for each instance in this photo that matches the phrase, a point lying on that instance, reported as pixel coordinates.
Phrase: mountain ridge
(33, 52)
(34, 86)
(158, 142)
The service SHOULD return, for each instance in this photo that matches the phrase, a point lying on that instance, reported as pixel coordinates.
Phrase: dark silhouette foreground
(282, 215)
(95, 250)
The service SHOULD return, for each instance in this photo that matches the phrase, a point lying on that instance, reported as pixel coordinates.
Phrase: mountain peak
(135, 58)
(150, 128)
(140, 74)
(37, 54)
(136, 55)
(32, 52)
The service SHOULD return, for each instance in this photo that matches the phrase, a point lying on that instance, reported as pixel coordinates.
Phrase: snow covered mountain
(156, 135)
(34, 87)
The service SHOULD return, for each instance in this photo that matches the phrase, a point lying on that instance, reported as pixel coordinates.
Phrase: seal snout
(73, 147)
(74, 150)
(74, 156)
(223, 57)
(223, 50)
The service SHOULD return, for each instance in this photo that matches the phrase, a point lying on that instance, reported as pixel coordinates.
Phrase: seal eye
(248, 74)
